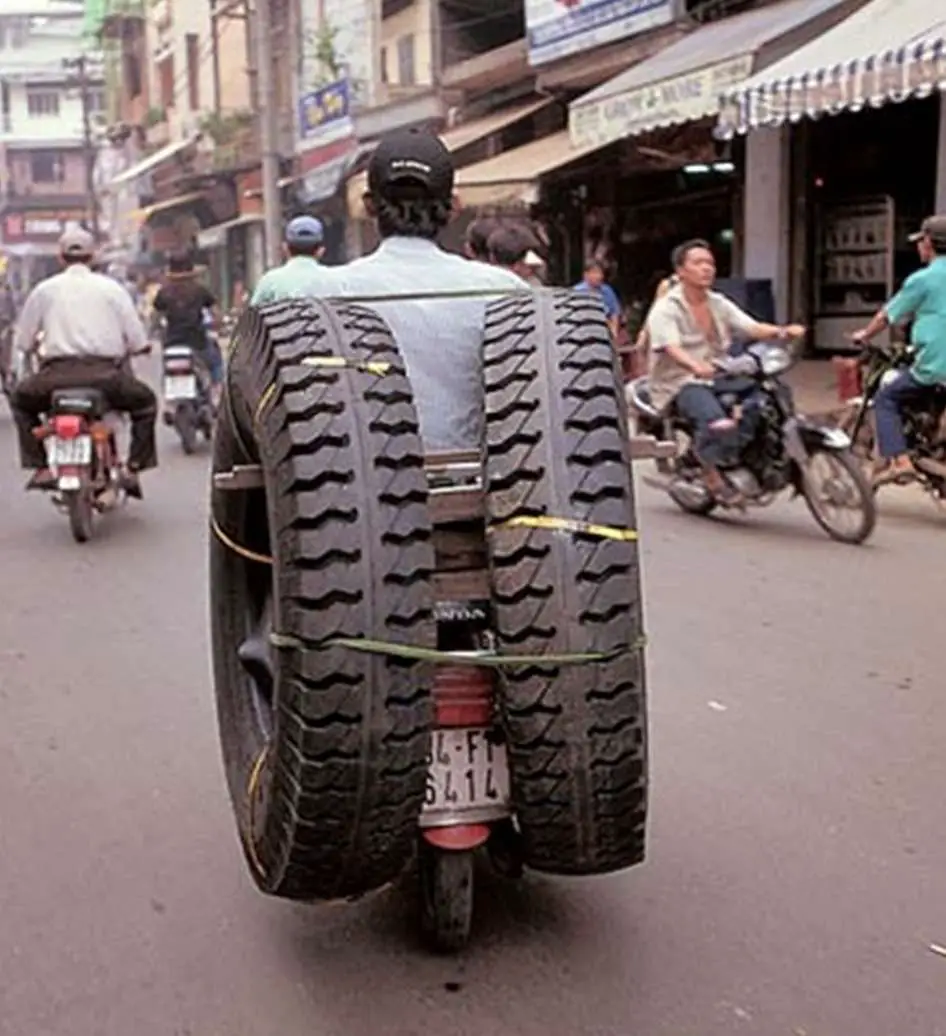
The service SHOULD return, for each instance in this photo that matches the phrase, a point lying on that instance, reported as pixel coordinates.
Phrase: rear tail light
(67, 426)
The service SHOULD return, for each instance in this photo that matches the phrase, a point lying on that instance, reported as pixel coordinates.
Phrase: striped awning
(888, 50)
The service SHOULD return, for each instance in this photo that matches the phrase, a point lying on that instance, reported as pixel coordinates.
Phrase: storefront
(862, 173)
(669, 179)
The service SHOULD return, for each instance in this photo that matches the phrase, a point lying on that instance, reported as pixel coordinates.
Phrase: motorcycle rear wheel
(849, 466)
(446, 897)
(79, 507)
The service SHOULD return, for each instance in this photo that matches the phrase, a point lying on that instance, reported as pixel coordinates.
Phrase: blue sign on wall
(325, 114)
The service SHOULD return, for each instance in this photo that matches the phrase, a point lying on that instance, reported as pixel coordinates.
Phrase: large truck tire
(557, 445)
(325, 748)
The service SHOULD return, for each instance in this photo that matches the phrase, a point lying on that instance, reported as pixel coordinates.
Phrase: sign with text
(19, 227)
(685, 98)
(325, 114)
(558, 28)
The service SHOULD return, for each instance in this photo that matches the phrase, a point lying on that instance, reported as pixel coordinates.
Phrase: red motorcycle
(79, 435)
(467, 803)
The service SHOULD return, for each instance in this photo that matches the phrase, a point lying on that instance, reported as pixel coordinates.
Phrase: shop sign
(325, 115)
(559, 28)
(26, 227)
(683, 98)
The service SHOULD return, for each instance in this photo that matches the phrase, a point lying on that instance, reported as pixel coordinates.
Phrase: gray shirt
(670, 323)
(81, 314)
(441, 340)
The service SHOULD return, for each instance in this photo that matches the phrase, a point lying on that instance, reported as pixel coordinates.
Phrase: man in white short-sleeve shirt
(689, 328)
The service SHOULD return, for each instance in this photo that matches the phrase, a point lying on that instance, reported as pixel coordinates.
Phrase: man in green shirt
(922, 299)
(301, 275)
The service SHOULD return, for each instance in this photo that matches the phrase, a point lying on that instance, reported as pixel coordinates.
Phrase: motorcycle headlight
(775, 361)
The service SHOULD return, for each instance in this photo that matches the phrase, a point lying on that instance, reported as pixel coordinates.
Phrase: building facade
(52, 112)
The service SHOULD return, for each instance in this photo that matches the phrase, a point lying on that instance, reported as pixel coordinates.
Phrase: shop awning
(888, 50)
(143, 215)
(512, 177)
(152, 161)
(216, 236)
(456, 139)
(684, 82)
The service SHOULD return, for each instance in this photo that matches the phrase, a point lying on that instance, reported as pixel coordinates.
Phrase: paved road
(795, 881)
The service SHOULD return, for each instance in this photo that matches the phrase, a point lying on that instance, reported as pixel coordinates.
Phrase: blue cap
(305, 230)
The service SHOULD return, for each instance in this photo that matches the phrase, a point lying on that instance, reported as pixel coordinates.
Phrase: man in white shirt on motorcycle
(90, 331)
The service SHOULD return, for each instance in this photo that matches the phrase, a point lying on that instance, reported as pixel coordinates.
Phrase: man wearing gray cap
(922, 299)
(90, 331)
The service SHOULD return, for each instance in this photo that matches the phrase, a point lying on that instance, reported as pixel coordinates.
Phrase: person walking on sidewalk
(922, 299)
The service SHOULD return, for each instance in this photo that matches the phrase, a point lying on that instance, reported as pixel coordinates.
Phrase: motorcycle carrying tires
(557, 445)
(340, 760)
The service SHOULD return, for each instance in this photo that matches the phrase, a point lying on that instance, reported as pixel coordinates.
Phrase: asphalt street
(795, 883)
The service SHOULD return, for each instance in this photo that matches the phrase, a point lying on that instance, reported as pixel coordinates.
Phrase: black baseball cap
(933, 227)
(411, 162)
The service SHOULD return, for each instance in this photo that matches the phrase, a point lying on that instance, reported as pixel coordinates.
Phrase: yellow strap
(244, 552)
(263, 402)
(340, 362)
(252, 787)
(571, 525)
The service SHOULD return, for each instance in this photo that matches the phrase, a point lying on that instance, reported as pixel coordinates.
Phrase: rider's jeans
(715, 437)
(888, 406)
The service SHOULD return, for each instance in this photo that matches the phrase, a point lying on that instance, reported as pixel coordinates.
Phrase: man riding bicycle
(90, 332)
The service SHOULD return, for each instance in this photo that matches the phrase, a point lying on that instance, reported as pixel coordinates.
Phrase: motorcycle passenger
(476, 244)
(922, 299)
(301, 273)
(90, 331)
(182, 300)
(510, 247)
(687, 328)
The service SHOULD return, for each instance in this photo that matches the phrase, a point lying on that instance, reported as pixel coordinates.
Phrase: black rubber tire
(185, 424)
(345, 509)
(79, 506)
(849, 462)
(447, 882)
(557, 444)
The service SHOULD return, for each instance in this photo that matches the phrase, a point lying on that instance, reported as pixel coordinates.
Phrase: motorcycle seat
(84, 402)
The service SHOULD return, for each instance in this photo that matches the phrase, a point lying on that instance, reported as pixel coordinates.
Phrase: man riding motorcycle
(410, 195)
(687, 328)
(922, 298)
(304, 246)
(90, 331)
(183, 301)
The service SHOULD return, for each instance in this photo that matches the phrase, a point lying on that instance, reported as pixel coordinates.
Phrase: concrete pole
(269, 133)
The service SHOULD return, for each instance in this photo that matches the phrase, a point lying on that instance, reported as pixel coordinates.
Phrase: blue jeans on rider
(715, 435)
(888, 407)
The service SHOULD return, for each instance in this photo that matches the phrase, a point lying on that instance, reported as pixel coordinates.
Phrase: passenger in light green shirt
(301, 275)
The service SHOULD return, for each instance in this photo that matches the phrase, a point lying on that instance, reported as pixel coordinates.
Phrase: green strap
(421, 654)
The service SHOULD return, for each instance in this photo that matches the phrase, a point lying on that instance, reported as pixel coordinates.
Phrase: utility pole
(269, 130)
(81, 66)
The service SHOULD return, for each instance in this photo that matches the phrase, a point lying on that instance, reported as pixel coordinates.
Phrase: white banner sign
(685, 98)
(558, 28)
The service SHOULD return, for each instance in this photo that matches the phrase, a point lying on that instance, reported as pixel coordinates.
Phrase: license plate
(467, 774)
(70, 453)
(180, 386)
